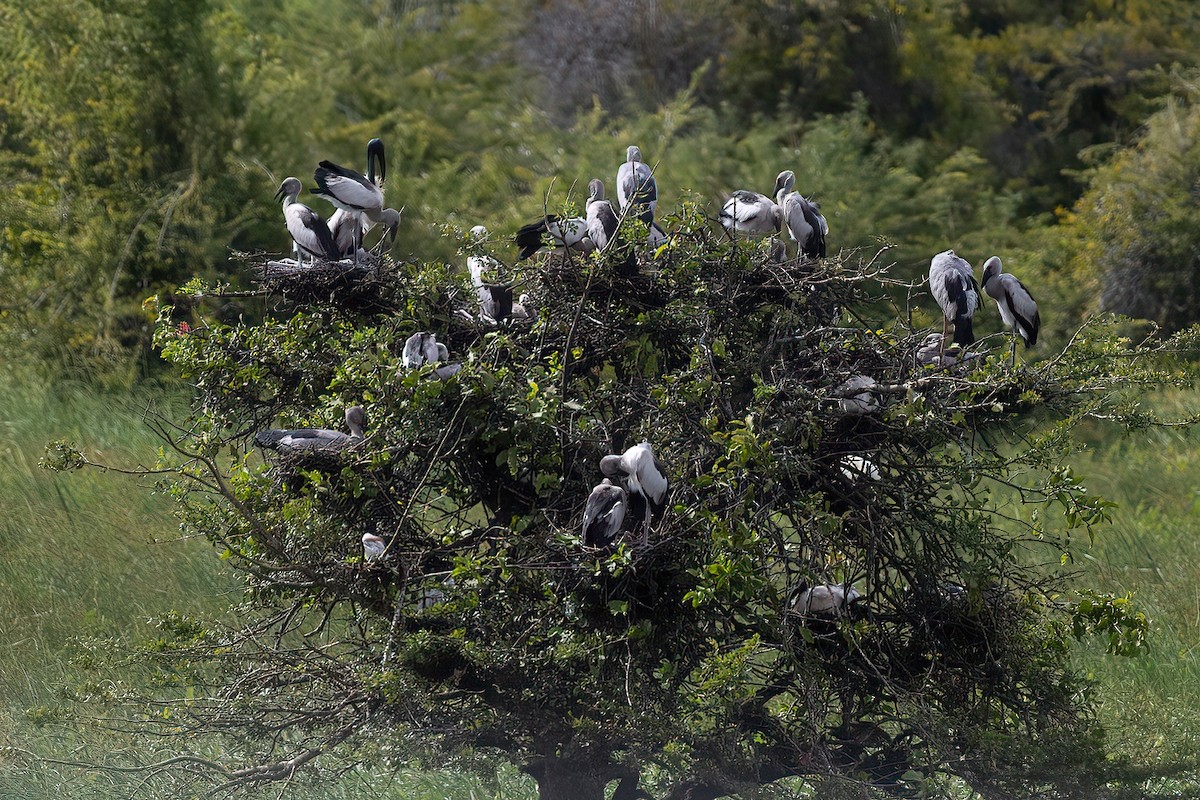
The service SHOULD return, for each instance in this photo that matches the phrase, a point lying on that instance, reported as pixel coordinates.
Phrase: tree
(687, 665)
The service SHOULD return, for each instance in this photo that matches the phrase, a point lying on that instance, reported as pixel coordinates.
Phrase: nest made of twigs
(367, 286)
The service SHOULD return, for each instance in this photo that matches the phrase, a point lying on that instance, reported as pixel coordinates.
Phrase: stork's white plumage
(751, 214)
(856, 395)
(310, 235)
(602, 220)
(423, 348)
(804, 222)
(952, 283)
(857, 468)
(495, 300)
(636, 186)
(645, 481)
(604, 514)
(831, 600)
(559, 233)
(1018, 309)
(374, 547)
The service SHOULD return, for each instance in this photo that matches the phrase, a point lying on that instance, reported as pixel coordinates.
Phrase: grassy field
(97, 554)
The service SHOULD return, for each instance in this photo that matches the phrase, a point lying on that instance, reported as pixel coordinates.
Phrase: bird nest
(367, 286)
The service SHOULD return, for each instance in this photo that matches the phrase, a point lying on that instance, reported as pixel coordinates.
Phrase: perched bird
(933, 352)
(1018, 309)
(856, 468)
(636, 187)
(801, 216)
(357, 194)
(349, 227)
(569, 233)
(310, 234)
(309, 439)
(751, 213)
(856, 395)
(952, 282)
(645, 481)
(831, 600)
(604, 514)
(601, 218)
(374, 547)
(423, 348)
(495, 299)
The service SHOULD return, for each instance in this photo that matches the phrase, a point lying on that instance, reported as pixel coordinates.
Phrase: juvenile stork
(604, 514)
(645, 481)
(952, 282)
(1018, 309)
(829, 600)
(423, 348)
(637, 191)
(601, 218)
(801, 216)
(495, 299)
(751, 213)
(309, 232)
(309, 439)
(374, 547)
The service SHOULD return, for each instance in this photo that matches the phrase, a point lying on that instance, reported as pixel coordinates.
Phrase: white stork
(1018, 309)
(801, 216)
(831, 600)
(561, 233)
(309, 232)
(602, 220)
(952, 282)
(604, 514)
(751, 213)
(645, 481)
(374, 547)
(637, 190)
(306, 439)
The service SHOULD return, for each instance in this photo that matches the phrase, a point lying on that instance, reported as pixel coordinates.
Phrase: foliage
(686, 656)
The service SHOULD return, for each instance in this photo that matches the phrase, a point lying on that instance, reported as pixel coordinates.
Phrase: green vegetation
(141, 141)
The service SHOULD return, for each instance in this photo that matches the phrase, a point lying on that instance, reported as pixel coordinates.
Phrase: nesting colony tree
(848, 584)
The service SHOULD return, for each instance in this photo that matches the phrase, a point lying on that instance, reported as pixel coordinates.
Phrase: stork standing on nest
(355, 193)
(801, 216)
(751, 213)
(1018, 309)
(560, 233)
(952, 282)
(831, 600)
(309, 439)
(604, 514)
(602, 220)
(309, 232)
(348, 227)
(645, 481)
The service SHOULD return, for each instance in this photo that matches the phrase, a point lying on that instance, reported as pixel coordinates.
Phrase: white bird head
(374, 547)
(356, 420)
(477, 234)
(595, 190)
(289, 190)
(633, 153)
(611, 466)
(991, 268)
(784, 181)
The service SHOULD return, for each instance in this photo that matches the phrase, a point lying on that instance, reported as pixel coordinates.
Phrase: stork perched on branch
(1018, 309)
(952, 282)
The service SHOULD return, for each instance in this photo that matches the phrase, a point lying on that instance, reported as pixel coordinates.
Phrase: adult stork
(602, 220)
(829, 600)
(348, 227)
(604, 514)
(645, 481)
(1018, 309)
(751, 213)
(801, 216)
(356, 194)
(310, 439)
(309, 232)
(560, 233)
(952, 282)
(637, 191)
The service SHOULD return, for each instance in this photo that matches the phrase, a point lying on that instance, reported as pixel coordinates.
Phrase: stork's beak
(279, 194)
(378, 160)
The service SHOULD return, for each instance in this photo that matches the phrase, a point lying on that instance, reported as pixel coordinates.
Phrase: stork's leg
(1014, 347)
(942, 343)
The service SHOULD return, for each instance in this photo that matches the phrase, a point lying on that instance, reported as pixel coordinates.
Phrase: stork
(952, 282)
(645, 481)
(1018, 309)
(354, 193)
(495, 299)
(309, 439)
(348, 228)
(602, 220)
(856, 395)
(801, 216)
(604, 514)
(309, 232)
(751, 213)
(829, 600)
(374, 547)
(637, 191)
(423, 348)
(561, 233)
